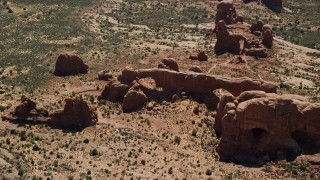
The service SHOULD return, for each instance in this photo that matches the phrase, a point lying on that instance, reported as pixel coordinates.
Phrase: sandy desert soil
(169, 142)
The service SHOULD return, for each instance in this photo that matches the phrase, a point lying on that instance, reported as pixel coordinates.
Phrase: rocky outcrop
(238, 38)
(114, 91)
(128, 75)
(228, 42)
(241, 39)
(27, 112)
(169, 63)
(257, 124)
(227, 12)
(134, 99)
(70, 65)
(76, 114)
(168, 82)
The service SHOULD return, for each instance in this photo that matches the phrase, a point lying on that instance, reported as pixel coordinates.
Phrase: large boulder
(70, 65)
(114, 91)
(134, 100)
(202, 56)
(169, 63)
(76, 114)
(262, 124)
(267, 38)
(128, 75)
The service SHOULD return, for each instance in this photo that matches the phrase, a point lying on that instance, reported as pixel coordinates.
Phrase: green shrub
(208, 172)
(194, 133)
(86, 141)
(177, 140)
(94, 152)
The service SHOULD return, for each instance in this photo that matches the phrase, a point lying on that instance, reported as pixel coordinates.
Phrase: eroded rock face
(76, 113)
(114, 91)
(200, 85)
(134, 99)
(70, 65)
(227, 12)
(227, 42)
(257, 124)
(128, 75)
(238, 38)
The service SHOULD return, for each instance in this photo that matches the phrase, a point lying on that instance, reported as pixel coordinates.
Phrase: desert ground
(174, 140)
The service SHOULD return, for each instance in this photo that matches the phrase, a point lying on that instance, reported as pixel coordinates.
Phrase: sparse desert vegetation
(166, 138)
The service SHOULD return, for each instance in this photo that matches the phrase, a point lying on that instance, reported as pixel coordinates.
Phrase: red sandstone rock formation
(114, 91)
(70, 65)
(198, 84)
(238, 38)
(227, 42)
(134, 99)
(227, 12)
(257, 124)
(76, 113)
